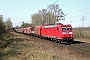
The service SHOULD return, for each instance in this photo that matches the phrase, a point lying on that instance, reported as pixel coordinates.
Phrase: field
(20, 47)
(24, 47)
(82, 34)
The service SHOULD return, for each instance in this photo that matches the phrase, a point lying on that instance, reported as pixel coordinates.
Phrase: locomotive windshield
(66, 28)
(69, 28)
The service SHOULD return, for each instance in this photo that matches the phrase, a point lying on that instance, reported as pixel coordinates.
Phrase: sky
(21, 10)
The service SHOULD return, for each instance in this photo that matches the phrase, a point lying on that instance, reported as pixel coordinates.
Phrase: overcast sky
(21, 10)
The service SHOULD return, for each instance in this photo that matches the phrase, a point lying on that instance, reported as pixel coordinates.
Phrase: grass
(16, 47)
(20, 49)
(82, 33)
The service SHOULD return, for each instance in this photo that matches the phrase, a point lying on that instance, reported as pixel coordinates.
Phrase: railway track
(81, 50)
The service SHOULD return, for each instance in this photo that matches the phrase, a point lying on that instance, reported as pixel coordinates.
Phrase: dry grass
(20, 49)
(82, 33)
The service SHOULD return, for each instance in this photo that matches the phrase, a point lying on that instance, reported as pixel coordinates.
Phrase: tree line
(5, 26)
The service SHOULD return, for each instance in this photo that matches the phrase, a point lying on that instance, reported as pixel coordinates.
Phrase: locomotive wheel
(39, 36)
(50, 39)
(60, 41)
(42, 37)
(53, 40)
(56, 41)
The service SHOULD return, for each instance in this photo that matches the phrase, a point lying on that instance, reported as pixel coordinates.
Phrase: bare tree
(61, 15)
(42, 17)
(44, 11)
(49, 16)
(57, 12)
(36, 19)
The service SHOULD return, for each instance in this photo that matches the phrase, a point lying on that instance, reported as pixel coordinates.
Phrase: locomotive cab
(67, 33)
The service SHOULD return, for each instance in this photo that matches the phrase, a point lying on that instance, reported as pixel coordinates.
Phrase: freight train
(59, 32)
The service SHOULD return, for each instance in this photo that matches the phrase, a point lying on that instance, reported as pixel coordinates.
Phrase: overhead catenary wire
(77, 16)
(78, 10)
(55, 1)
(69, 13)
(78, 6)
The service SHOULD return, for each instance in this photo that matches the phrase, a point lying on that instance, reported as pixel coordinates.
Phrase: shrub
(2, 27)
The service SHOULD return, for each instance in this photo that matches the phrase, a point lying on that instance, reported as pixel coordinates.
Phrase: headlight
(70, 33)
(63, 33)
